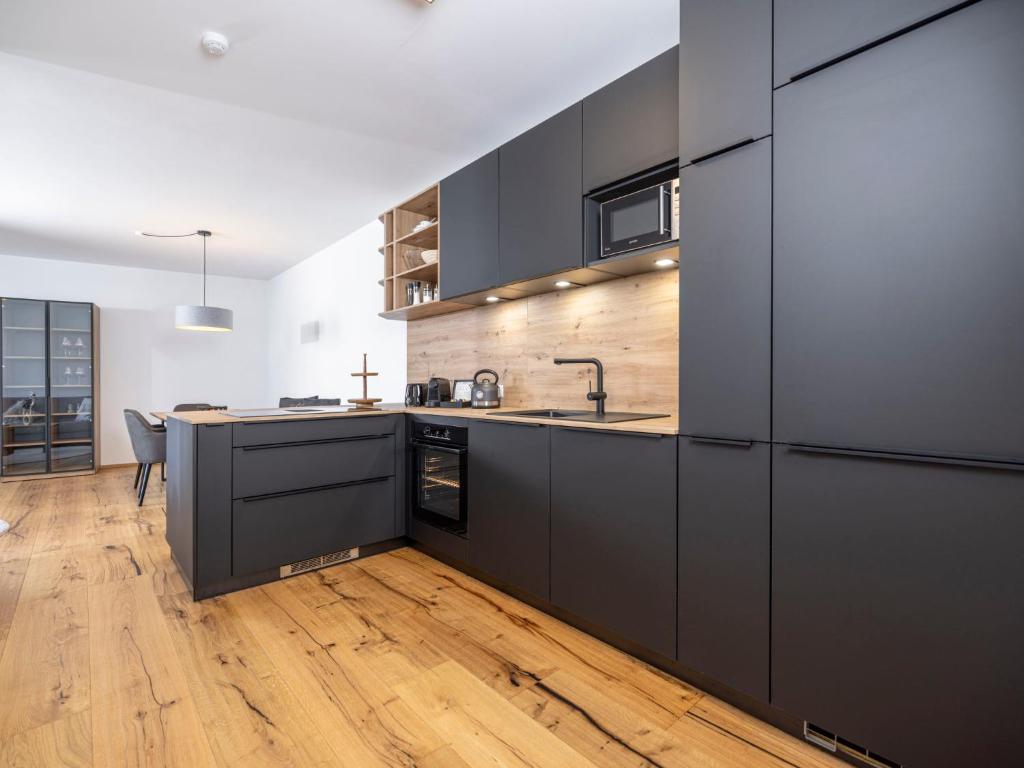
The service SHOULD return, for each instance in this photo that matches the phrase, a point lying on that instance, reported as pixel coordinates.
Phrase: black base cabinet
(613, 532)
(509, 504)
(725, 562)
(898, 615)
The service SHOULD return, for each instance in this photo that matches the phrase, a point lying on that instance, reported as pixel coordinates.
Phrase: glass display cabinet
(48, 384)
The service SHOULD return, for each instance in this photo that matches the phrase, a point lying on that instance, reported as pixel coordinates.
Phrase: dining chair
(149, 443)
(292, 402)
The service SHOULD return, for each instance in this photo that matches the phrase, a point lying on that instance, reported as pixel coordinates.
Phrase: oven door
(636, 220)
(439, 485)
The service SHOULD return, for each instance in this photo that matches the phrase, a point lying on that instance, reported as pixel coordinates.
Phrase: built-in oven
(640, 218)
(440, 463)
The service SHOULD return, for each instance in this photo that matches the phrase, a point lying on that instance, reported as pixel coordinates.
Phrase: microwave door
(636, 220)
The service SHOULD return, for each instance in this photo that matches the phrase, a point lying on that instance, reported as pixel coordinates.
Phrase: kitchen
(714, 372)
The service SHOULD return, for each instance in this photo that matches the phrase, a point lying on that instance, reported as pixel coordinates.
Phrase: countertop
(664, 426)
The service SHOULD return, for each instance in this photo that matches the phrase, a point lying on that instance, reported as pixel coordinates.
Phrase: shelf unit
(49, 382)
(404, 261)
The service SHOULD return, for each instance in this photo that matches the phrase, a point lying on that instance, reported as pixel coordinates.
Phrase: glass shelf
(46, 387)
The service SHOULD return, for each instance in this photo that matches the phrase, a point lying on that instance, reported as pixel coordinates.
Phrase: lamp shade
(192, 317)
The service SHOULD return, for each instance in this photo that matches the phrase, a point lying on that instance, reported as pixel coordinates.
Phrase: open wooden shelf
(420, 311)
(424, 238)
(426, 272)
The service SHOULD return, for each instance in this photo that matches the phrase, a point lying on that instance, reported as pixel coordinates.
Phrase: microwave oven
(640, 219)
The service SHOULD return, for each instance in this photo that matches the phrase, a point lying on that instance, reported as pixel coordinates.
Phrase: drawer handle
(326, 441)
(722, 151)
(700, 439)
(875, 43)
(300, 491)
(914, 458)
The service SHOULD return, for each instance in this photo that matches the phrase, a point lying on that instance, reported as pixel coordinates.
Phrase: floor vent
(320, 561)
(827, 740)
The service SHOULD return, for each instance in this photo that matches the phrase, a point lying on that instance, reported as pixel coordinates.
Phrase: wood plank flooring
(393, 660)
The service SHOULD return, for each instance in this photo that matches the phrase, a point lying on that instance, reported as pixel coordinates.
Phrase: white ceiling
(324, 112)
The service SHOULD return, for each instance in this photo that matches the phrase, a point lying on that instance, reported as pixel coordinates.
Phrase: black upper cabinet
(613, 532)
(897, 614)
(470, 201)
(897, 237)
(725, 562)
(725, 295)
(632, 124)
(509, 503)
(541, 200)
(809, 33)
(725, 74)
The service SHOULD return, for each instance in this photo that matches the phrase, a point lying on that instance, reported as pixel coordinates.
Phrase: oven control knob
(447, 434)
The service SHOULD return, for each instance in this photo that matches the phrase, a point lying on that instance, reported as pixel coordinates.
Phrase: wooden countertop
(663, 426)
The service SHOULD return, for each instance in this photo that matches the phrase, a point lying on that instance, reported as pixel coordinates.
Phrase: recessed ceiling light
(663, 263)
(562, 284)
(492, 299)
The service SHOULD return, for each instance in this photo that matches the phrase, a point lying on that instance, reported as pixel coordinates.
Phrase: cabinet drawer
(267, 469)
(268, 433)
(277, 530)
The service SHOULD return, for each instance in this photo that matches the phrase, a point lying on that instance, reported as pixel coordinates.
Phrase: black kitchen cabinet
(897, 231)
(897, 610)
(613, 532)
(509, 503)
(540, 228)
(470, 201)
(725, 562)
(725, 294)
(725, 74)
(632, 124)
(809, 33)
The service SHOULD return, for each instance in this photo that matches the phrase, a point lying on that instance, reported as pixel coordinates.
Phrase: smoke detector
(215, 44)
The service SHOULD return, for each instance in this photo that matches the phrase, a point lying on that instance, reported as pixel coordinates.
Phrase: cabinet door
(541, 203)
(897, 613)
(725, 294)
(509, 503)
(632, 124)
(725, 562)
(725, 74)
(613, 532)
(897, 226)
(469, 199)
(809, 33)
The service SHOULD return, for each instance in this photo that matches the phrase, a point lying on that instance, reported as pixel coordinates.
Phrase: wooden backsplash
(630, 324)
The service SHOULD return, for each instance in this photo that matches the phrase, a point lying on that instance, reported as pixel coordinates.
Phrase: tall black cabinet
(48, 381)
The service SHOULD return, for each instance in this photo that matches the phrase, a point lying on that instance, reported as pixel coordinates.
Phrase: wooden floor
(394, 660)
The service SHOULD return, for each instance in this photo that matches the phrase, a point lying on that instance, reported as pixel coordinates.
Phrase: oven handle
(663, 193)
(435, 447)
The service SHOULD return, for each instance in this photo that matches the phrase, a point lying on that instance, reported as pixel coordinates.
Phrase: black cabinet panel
(277, 530)
(613, 532)
(541, 199)
(725, 562)
(632, 124)
(897, 610)
(509, 503)
(725, 294)
(809, 33)
(275, 468)
(897, 256)
(248, 433)
(470, 201)
(725, 74)
(212, 505)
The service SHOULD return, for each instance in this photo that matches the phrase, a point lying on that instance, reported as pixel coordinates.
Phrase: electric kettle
(485, 393)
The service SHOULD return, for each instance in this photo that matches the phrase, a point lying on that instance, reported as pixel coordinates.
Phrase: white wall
(144, 362)
(337, 289)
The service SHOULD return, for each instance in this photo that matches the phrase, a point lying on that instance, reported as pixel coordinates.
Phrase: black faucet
(600, 396)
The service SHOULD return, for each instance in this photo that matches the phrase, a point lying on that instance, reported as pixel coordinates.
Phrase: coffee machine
(438, 391)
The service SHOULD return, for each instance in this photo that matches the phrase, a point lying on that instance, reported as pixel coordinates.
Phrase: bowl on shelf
(429, 256)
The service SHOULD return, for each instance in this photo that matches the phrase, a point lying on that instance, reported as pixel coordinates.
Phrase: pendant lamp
(196, 317)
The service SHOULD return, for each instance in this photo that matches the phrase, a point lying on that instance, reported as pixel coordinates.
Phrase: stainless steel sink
(588, 416)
